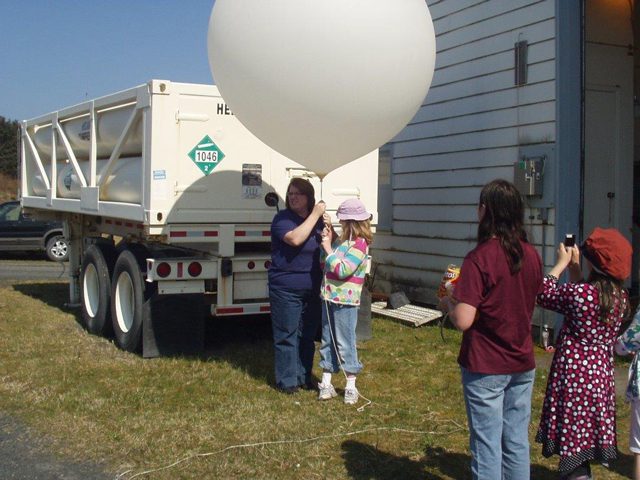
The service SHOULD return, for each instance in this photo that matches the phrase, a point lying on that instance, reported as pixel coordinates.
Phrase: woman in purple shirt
(294, 285)
(492, 304)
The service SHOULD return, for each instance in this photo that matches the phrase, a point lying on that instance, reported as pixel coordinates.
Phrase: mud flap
(173, 325)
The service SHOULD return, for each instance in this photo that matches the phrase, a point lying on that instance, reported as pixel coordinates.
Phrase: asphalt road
(30, 267)
(23, 453)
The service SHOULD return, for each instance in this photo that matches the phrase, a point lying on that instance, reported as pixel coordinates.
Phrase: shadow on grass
(54, 294)
(364, 461)
(623, 465)
(244, 342)
(247, 344)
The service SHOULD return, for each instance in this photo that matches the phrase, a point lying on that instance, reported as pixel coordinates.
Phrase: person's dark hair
(503, 219)
(611, 295)
(305, 187)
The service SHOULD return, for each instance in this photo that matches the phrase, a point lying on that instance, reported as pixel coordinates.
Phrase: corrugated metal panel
(468, 133)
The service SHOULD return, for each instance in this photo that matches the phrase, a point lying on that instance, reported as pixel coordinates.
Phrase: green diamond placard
(206, 155)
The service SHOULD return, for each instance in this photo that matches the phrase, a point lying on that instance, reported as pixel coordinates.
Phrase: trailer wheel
(128, 302)
(95, 289)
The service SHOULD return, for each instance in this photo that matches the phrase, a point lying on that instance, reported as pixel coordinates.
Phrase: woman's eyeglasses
(295, 194)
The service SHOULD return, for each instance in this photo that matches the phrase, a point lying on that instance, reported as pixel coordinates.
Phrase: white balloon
(322, 81)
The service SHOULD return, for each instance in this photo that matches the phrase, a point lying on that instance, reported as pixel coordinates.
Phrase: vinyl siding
(467, 133)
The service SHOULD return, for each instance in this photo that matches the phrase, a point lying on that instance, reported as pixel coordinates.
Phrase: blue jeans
(498, 410)
(295, 318)
(342, 319)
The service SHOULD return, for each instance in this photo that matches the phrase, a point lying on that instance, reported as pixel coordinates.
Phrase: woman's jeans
(498, 410)
(295, 318)
(342, 319)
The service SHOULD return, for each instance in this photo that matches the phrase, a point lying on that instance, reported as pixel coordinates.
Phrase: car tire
(130, 302)
(57, 249)
(95, 289)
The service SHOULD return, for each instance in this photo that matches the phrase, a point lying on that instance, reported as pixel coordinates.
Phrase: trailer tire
(129, 302)
(95, 289)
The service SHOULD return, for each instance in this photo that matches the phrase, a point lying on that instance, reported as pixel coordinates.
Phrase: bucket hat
(609, 252)
(353, 209)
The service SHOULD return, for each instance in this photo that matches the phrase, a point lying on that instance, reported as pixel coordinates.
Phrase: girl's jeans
(295, 318)
(498, 410)
(342, 319)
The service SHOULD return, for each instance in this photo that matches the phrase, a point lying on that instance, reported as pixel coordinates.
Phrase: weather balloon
(322, 81)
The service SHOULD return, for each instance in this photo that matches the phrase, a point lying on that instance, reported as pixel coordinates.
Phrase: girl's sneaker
(326, 392)
(351, 396)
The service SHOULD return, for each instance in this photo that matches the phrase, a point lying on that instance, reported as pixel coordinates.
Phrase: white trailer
(165, 196)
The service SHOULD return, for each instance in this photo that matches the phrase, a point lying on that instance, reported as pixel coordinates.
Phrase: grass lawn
(216, 416)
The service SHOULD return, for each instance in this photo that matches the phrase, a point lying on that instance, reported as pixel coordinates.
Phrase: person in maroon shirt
(492, 304)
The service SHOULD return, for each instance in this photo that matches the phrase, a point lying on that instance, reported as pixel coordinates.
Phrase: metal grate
(410, 314)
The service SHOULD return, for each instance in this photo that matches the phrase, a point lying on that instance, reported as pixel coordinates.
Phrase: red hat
(609, 252)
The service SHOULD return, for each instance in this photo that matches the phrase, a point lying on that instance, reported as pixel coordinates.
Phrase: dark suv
(21, 233)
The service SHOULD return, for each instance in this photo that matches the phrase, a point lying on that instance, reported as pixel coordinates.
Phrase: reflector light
(163, 270)
(267, 264)
(194, 269)
(251, 265)
(229, 310)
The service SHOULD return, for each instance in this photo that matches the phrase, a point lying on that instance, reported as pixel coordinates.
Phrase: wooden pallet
(409, 314)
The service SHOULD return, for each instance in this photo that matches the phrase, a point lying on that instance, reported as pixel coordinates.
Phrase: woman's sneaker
(326, 392)
(351, 396)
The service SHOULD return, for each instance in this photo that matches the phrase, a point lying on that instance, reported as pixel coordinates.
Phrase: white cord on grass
(280, 442)
(303, 440)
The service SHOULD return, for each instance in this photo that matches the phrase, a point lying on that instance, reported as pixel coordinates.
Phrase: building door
(607, 188)
(601, 157)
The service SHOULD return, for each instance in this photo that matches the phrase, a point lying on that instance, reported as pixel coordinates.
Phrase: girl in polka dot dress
(578, 420)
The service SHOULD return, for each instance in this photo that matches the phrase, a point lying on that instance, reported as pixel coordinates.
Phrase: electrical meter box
(528, 175)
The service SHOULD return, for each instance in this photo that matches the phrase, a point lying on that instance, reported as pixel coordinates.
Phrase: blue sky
(56, 53)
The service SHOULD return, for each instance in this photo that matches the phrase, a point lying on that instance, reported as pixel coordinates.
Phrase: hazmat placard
(206, 155)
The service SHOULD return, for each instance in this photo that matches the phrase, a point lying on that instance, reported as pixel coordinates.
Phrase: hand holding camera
(568, 256)
(569, 240)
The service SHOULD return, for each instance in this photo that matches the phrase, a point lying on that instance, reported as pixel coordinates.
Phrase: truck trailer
(166, 200)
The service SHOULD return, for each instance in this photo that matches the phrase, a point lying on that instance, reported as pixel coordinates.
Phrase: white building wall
(467, 133)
